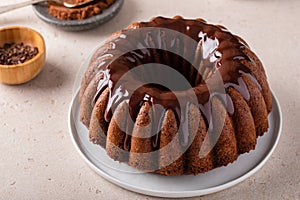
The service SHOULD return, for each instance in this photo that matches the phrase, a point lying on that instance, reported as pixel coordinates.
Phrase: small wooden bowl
(21, 73)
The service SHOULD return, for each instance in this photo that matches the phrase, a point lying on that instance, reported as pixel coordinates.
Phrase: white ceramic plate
(179, 186)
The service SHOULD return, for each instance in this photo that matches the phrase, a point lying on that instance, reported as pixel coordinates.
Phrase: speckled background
(37, 157)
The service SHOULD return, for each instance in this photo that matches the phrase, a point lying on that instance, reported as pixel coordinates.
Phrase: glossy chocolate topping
(215, 50)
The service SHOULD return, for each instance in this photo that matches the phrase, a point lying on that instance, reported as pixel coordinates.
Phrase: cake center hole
(177, 73)
(161, 76)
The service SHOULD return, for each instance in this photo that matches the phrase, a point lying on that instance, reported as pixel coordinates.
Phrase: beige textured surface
(37, 158)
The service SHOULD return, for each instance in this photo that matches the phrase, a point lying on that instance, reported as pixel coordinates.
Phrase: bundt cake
(140, 110)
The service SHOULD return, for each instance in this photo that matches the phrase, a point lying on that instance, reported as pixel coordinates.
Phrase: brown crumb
(63, 13)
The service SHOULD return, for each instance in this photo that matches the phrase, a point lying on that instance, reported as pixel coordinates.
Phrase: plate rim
(178, 194)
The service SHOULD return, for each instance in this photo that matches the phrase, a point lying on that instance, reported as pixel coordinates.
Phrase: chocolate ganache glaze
(213, 51)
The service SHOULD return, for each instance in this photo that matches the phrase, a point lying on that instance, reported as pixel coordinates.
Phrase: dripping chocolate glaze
(225, 52)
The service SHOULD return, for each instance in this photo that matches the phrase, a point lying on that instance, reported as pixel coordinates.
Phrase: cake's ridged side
(170, 138)
(101, 59)
(141, 146)
(98, 57)
(98, 126)
(86, 105)
(260, 75)
(116, 134)
(253, 64)
(243, 122)
(258, 107)
(198, 157)
(225, 149)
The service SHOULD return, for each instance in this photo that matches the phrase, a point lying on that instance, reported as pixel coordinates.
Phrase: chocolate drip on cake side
(217, 50)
